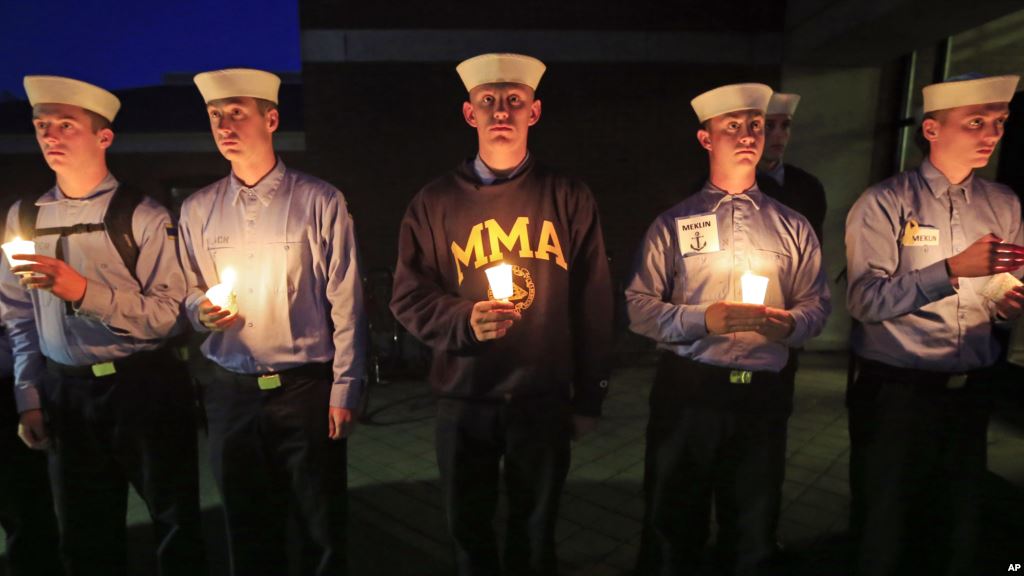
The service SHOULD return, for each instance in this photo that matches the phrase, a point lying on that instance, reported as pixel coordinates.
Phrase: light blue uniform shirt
(910, 315)
(673, 283)
(117, 317)
(292, 244)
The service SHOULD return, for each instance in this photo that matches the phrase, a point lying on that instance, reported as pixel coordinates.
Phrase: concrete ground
(397, 525)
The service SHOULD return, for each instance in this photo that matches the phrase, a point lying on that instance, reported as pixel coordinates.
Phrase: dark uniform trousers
(533, 437)
(136, 426)
(709, 437)
(273, 462)
(26, 508)
(920, 440)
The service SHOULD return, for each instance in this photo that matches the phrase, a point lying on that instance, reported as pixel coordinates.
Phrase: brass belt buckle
(956, 381)
(740, 377)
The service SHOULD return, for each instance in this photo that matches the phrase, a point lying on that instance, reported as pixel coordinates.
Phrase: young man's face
(240, 130)
(734, 140)
(966, 135)
(67, 138)
(776, 136)
(501, 113)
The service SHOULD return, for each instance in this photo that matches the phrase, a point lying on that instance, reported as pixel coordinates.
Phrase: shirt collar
(716, 196)
(488, 177)
(939, 184)
(56, 196)
(264, 189)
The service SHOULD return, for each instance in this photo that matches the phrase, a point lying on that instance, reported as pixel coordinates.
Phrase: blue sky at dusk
(122, 44)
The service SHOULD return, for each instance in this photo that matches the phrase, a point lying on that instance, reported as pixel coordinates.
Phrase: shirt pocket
(291, 263)
(223, 257)
(916, 256)
(777, 266)
(703, 277)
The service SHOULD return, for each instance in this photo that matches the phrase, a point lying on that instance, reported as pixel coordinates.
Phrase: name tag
(915, 234)
(697, 234)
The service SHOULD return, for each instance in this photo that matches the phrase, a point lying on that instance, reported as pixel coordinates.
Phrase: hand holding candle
(18, 247)
(223, 294)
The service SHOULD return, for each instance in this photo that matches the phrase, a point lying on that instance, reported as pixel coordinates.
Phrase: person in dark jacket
(796, 188)
(517, 377)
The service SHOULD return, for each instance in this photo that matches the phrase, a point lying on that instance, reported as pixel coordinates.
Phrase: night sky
(123, 43)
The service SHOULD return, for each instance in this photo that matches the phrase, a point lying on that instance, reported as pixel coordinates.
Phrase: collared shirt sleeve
(18, 316)
(810, 301)
(592, 307)
(151, 313)
(419, 300)
(649, 293)
(195, 284)
(345, 295)
(876, 292)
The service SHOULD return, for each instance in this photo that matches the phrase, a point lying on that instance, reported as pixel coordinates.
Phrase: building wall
(383, 130)
(839, 126)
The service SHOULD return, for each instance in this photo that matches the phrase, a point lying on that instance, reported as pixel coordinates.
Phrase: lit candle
(19, 246)
(753, 287)
(223, 294)
(500, 279)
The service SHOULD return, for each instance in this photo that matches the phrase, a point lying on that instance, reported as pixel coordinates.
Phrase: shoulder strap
(27, 213)
(118, 223)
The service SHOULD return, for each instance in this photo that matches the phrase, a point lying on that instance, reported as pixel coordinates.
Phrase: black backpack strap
(118, 223)
(69, 230)
(27, 214)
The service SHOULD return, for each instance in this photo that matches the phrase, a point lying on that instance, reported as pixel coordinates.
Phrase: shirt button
(287, 247)
(250, 255)
(251, 290)
(250, 324)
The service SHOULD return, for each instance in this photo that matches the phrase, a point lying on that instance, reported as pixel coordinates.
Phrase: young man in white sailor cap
(88, 329)
(788, 184)
(517, 378)
(719, 406)
(287, 354)
(922, 248)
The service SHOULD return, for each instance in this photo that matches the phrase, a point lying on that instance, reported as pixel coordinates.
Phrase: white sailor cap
(968, 90)
(731, 98)
(495, 68)
(236, 83)
(782, 103)
(60, 90)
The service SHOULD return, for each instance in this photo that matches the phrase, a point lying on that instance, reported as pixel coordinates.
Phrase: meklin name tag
(915, 234)
(697, 234)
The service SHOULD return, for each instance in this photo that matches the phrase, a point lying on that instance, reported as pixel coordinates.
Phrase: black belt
(718, 374)
(919, 377)
(139, 362)
(321, 370)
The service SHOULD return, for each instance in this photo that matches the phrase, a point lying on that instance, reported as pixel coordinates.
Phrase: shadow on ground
(381, 550)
